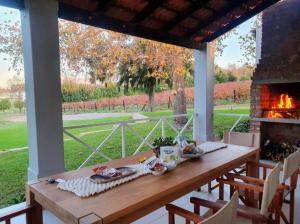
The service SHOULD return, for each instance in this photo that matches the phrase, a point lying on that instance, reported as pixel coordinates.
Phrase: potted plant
(159, 142)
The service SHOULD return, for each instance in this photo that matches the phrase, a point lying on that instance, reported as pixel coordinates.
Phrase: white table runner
(83, 187)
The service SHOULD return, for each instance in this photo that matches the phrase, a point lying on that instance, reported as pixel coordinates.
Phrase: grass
(13, 165)
(14, 134)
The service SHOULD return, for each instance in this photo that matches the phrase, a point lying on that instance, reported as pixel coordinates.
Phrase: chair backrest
(270, 188)
(291, 165)
(227, 214)
(245, 139)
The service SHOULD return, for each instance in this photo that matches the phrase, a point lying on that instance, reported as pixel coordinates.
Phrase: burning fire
(285, 102)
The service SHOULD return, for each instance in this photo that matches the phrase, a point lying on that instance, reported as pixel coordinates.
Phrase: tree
(125, 74)
(19, 104)
(16, 87)
(5, 104)
(179, 61)
(11, 44)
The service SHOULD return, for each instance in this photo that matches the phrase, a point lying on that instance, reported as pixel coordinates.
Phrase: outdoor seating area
(245, 177)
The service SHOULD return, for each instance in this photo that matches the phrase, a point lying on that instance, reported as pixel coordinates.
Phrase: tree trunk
(151, 99)
(126, 88)
(179, 100)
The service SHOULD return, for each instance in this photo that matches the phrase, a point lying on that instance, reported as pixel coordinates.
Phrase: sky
(231, 55)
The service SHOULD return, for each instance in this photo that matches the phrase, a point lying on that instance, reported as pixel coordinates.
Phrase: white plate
(192, 155)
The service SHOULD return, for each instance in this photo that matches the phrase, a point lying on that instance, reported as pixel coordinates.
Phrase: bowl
(159, 173)
(170, 165)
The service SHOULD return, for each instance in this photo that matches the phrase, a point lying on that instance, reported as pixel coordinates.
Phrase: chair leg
(171, 218)
(209, 187)
(292, 206)
(221, 191)
(197, 209)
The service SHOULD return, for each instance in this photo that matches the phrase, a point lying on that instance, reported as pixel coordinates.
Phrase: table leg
(252, 170)
(36, 213)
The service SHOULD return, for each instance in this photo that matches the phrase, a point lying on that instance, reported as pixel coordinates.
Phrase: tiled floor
(160, 216)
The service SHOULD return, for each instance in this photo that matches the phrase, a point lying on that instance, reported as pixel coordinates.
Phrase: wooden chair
(226, 214)
(290, 172)
(238, 138)
(269, 190)
(7, 217)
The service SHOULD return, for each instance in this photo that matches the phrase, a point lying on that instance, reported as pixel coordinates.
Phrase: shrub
(5, 104)
(243, 126)
(245, 78)
(74, 92)
(224, 77)
(19, 104)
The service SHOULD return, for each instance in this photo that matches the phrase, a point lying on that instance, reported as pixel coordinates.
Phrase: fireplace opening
(280, 101)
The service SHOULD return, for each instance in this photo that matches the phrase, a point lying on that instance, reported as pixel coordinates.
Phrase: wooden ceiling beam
(241, 19)
(195, 5)
(102, 21)
(152, 6)
(218, 15)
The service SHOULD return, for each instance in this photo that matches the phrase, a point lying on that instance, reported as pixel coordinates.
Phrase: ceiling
(185, 23)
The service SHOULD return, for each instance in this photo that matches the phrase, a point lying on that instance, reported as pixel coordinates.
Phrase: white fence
(124, 126)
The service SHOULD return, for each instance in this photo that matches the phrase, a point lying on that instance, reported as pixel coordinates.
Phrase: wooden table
(133, 200)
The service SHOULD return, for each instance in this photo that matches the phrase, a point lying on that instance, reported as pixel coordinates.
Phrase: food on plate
(158, 167)
(107, 172)
(188, 149)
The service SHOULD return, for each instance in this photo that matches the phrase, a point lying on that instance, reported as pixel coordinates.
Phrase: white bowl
(159, 173)
(170, 166)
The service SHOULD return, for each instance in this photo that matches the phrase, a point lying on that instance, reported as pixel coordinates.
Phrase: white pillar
(43, 89)
(204, 92)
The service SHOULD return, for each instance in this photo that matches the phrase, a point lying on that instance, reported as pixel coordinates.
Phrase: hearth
(275, 90)
(280, 101)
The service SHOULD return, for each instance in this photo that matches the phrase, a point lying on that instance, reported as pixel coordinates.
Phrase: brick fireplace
(275, 91)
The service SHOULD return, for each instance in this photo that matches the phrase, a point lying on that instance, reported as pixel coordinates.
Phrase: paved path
(93, 116)
(84, 116)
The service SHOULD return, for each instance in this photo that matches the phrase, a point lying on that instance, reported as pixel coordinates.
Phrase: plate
(126, 171)
(192, 155)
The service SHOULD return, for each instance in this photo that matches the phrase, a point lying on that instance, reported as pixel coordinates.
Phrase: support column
(204, 92)
(43, 89)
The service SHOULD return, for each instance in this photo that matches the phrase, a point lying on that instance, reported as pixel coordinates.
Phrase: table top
(133, 200)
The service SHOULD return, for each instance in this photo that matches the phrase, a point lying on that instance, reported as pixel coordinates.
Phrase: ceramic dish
(161, 172)
(100, 179)
(192, 155)
(170, 166)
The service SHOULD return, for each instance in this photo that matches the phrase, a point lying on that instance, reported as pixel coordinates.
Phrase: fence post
(163, 135)
(123, 141)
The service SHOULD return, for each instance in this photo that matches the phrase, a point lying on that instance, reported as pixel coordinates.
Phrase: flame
(285, 102)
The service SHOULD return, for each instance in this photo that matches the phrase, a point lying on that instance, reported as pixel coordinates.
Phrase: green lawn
(13, 165)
